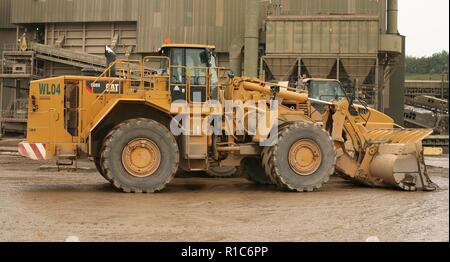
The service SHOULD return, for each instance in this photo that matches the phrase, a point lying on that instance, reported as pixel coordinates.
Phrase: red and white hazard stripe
(35, 151)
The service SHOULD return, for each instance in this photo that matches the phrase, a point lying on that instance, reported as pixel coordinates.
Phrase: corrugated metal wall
(92, 37)
(5, 14)
(48, 11)
(315, 7)
(184, 21)
(190, 21)
(7, 37)
(195, 21)
(9, 93)
(322, 37)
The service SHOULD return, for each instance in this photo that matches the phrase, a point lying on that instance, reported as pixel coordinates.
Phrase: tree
(434, 64)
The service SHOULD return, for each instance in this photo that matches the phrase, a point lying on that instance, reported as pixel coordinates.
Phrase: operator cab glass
(197, 63)
(325, 90)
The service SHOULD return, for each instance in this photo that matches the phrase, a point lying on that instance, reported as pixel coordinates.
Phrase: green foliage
(436, 77)
(435, 64)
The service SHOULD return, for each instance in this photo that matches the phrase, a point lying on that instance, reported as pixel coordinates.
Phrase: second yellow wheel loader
(143, 120)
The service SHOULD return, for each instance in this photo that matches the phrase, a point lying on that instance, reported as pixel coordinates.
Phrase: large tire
(99, 167)
(222, 171)
(302, 160)
(180, 172)
(140, 156)
(253, 171)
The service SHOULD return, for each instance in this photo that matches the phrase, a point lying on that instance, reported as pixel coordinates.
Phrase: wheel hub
(305, 157)
(141, 158)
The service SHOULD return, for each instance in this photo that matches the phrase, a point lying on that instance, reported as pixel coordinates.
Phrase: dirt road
(43, 205)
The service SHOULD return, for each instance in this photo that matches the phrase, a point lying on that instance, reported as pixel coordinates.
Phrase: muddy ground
(39, 204)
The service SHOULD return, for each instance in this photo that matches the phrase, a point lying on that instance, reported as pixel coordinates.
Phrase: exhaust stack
(392, 17)
(251, 38)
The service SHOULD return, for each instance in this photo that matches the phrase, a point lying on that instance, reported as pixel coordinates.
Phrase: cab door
(197, 67)
(71, 105)
(178, 85)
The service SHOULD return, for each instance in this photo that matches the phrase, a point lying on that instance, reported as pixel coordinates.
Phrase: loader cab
(193, 74)
(329, 90)
(325, 90)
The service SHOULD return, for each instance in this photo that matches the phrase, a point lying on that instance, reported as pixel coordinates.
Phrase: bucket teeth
(401, 166)
(428, 185)
(408, 183)
(417, 182)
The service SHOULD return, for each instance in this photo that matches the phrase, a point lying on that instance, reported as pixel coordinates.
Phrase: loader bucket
(399, 161)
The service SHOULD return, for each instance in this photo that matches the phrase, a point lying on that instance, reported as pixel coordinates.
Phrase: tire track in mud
(40, 205)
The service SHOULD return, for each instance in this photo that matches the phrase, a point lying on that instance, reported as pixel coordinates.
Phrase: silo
(340, 39)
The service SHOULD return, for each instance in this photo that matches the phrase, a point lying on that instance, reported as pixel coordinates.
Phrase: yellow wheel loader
(144, 120)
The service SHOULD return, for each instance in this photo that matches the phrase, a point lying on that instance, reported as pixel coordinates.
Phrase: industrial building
(355, 41)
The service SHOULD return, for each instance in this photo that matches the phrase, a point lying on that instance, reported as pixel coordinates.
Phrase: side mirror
(275, 89)
(205, 57)
(110, 58)
(350, 93)
(230, 74)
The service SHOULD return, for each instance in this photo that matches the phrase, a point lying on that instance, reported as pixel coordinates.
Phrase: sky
(426, 26)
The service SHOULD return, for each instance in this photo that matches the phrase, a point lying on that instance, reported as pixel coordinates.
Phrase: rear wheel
(140, 155)
(222, 171)
(303, 159)
(253, 170)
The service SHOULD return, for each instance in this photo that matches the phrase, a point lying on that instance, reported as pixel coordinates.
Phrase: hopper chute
(319, 67)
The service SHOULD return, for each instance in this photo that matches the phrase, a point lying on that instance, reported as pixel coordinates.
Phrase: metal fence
(439, 89)
(10, 47)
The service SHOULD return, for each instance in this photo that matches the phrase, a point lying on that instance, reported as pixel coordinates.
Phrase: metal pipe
(251, 38)
(229, 149)
(377, 86)
(282, 92)
(392, 16)
(236, 56)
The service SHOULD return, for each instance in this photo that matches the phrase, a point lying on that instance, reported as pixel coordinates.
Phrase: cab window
(325, 90)
(213, 71)
(194, 58)
(177, 62)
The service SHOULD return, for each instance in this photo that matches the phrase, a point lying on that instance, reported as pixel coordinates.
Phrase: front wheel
(303, 159)
(140, 155)
(98, 165)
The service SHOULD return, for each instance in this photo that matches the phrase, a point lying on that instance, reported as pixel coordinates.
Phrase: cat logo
(103, 87)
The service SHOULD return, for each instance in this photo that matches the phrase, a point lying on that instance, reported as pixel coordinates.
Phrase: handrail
(108, 70)
(206, 76)
(147, 59)
(135, 71)
(52, 128)
(128, 69)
